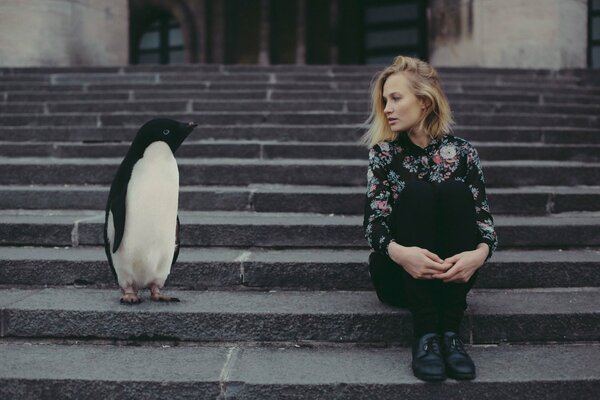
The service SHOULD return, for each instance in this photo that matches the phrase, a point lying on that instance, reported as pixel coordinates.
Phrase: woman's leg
(414, 224)
(457, 232)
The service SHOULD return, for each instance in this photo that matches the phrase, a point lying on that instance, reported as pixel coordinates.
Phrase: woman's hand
(463, 265)
(419, 263)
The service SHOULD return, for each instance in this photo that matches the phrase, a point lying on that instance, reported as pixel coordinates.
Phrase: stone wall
(64, 32)
(509, 33)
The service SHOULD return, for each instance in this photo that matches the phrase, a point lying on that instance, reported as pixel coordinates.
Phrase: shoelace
(433, 344)
(457, 345)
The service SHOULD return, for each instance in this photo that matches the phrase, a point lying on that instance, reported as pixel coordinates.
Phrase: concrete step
(264, 94)
(109, 82)
(279, 230)
(238, 371)
(303, 269)
(136, 119)
(496, 73)
(298, 150)
(234, 171)
(346, 133)
(288, 198)
(183, 105)
(494, 316)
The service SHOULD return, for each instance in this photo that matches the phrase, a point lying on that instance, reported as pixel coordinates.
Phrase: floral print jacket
(393, 163)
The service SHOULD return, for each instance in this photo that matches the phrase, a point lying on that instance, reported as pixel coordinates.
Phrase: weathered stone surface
(494, 316)
(217, 171)
(286, 371)
(315, 269)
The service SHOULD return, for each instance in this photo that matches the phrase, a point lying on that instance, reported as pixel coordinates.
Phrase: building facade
(490, 33)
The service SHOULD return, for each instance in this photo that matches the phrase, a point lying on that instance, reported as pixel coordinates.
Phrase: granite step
(183, 105)
(299, 150)
(93, 83)
(263, 94)
(494, 316)
(39, 369)
(238, 371)
(300, 269)
(508, 73)
(345, 133)
(279, 230)
(136, 119)
(542, 200)
(235, 171)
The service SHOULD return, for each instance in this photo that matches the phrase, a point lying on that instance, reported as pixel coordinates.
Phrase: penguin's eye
(166, 132)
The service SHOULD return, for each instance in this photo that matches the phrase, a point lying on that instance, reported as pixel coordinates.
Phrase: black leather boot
(427, 361)
(458, 363)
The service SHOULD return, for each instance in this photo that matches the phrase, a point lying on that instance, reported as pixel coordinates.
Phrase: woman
(426, 216)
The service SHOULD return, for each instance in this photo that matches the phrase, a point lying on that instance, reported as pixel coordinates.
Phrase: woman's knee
(418, 196)
(454, 191)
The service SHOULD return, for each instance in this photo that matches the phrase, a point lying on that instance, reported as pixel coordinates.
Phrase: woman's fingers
(433, 256)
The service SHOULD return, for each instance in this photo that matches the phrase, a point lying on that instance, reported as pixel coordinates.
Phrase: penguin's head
(166, 130)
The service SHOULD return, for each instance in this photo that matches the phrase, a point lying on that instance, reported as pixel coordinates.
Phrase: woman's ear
(425, 103)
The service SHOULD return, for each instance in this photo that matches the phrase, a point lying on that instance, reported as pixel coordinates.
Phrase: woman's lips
(392, 120)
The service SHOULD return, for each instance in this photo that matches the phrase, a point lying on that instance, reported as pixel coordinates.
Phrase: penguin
(141, 225)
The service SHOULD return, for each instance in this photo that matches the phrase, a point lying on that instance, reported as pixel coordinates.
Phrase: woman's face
(402, 108)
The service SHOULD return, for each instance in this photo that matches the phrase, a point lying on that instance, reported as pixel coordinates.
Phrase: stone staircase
(276, 298)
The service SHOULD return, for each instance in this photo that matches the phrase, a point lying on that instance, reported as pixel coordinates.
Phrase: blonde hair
(424, 82)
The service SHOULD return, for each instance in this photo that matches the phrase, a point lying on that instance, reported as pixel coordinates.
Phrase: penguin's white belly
(146, 251)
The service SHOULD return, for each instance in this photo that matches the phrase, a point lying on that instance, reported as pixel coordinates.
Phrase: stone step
(282, 95)
(296, 150)
(279, 230)
(233, 171)
(304, 269)
(183, 105)
(494, 316)
(289, 198)
(136, 119)
(350, 81)
(289, 370)
(346, 133)
(508, 73)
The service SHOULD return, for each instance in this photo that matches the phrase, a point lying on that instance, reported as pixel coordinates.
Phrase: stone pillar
(64, 32)
(264, 33)
(334, 27)
(218, 32)
(509, 34)
(301, 33)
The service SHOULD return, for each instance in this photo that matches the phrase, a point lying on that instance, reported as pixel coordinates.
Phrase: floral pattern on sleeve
(483, 216)
(382, 184)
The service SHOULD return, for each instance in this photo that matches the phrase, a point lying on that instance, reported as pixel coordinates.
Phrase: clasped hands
(423, 264)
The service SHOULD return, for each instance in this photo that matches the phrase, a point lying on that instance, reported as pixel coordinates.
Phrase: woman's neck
(421, 139)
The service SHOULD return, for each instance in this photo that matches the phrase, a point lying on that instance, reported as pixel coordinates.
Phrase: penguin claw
(130, 300)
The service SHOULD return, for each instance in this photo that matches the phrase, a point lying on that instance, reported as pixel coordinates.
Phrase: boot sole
(462, 377)
(430, 378)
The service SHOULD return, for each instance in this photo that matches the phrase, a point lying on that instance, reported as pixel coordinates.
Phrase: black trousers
(439, 218)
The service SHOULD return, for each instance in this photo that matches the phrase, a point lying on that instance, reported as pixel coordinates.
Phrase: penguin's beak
(191, 125)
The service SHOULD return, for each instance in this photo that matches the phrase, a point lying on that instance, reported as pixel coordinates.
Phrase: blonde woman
(426, 214)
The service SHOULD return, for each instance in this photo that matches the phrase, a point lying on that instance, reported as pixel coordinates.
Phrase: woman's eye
(397, 98)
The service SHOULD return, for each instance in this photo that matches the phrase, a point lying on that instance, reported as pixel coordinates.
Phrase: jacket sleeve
(483, 216)
(377, 205)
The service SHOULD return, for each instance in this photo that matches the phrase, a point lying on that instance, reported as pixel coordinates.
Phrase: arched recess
(144, 13)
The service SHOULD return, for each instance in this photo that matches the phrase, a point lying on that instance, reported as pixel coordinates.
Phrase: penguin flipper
(117, 207)
(177, 242)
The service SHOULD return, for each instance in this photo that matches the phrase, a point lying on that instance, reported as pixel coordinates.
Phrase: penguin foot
(160, 297)
(130, 298)
(156, 296)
